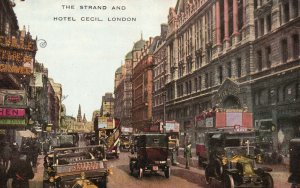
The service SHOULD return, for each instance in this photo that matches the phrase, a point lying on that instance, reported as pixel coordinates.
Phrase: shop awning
(27, 134)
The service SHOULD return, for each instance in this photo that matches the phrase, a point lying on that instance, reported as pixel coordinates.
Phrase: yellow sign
(15, 69)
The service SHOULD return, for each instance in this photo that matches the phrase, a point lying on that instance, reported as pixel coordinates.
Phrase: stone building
(142, 86)
(119, 93)
(234, 54)
(107, 105)
(159, 75)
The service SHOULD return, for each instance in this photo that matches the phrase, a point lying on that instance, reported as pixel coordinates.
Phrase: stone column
(235, 21)
(218, 23)
(244, 13)
(226, 23)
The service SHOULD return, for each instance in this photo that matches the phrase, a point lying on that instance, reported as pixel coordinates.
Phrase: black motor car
(151, 154)
(294, 148)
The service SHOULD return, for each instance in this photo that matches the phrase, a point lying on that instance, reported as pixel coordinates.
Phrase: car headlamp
(224, 160)
(51, 179)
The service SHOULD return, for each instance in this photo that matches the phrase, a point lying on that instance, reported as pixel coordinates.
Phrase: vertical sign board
(247, 120)
(220, 119)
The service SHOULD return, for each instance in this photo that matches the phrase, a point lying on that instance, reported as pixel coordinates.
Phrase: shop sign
(14, 100)
(172, 126)
(15, 69)
(12, 112)
(102, 122)
(12, 122)
(209, 122)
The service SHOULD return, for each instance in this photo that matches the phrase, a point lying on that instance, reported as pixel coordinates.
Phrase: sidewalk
(37, 181)
(193, 160)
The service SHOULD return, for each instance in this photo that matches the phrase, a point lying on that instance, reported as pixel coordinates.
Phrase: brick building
(142, 86)
(159, 76)
(234, 54)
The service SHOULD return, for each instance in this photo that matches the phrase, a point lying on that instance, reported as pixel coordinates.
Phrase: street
(180, 177)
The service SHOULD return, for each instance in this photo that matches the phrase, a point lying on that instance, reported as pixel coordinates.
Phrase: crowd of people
(17, 163)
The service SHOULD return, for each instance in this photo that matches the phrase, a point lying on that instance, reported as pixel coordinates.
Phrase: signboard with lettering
(12, 112)
(172, 126)
(12, 122)
(17, 55)
(102, 122)
(13, 98)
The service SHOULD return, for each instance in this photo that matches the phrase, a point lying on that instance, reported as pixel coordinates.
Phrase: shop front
(13, 113)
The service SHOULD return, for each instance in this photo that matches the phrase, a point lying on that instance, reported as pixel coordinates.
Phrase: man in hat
(21, 172)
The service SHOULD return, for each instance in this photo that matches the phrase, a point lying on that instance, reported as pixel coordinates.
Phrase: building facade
(107, 105)
(226, 54)
(142, 85)
(159, 75)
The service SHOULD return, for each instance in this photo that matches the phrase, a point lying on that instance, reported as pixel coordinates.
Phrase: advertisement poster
(212, 66)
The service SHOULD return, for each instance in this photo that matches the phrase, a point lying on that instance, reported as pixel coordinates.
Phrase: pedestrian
(3, 174)
(188, 154)
(6, 154)
(20, 171)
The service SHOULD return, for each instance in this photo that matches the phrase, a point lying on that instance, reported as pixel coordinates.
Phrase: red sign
(13, 98)
(12, 112)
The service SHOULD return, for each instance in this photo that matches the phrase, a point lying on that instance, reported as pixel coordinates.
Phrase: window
(239, 67)
(229, 72)
(206, 80)
(220, 74)
(259, 60)
(284, 50)
(196, 84)
(256, 29)
(200, 82)
(262, 29)
(296, 10)
(269, 22)
(295, 46)
(286, 15)
(268, 56)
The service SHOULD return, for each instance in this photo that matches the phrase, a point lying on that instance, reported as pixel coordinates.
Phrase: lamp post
(164, 118)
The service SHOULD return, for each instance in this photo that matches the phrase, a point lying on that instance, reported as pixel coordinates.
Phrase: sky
(84, 55)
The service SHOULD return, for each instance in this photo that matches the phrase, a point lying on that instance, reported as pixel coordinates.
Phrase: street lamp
(164, 118)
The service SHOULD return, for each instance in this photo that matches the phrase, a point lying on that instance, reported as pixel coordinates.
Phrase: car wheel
(200, 161)
(131, 167)
(167, 172)
(268, 181)
(228, 181)
(102, 184)
(207, 177)
(218, 169)
(141, 172)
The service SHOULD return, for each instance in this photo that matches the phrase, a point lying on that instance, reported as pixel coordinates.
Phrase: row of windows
(264, 56)
(287, 93)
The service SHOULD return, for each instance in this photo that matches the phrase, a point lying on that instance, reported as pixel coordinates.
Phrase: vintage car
(294, 148)
(151, 154)
(64, 165)
(125, 142)
(235, 164)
